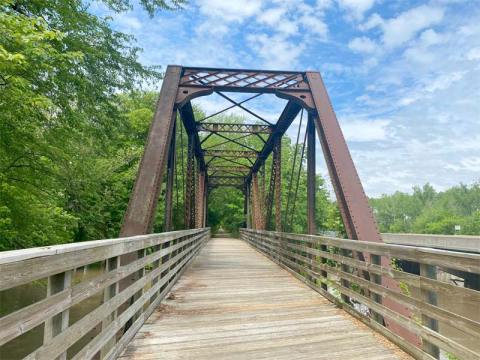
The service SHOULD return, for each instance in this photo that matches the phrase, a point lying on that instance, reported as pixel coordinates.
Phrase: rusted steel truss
(213, 166)
(227, 181)
(234, 128)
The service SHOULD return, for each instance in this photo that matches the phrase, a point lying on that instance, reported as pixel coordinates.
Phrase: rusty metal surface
(230, 181)
(231, 153)
(143, 200)
(311, 174)
(243, 80)
(190, 185)
(234, 128)
(199, 223)
(277, 164)
(168, 219)
(257, 208)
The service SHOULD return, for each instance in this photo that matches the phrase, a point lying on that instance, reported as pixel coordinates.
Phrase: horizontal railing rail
(444, 315)
(96, 295)
(463, 243)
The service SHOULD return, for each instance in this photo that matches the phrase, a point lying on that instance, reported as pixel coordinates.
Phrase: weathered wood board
(234, 303)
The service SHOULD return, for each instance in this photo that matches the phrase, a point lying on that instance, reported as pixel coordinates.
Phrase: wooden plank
(451, 259)
(233, 303)
(310, 268)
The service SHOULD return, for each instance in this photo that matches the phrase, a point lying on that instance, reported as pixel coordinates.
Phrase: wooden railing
(444, 315)
(132, 276)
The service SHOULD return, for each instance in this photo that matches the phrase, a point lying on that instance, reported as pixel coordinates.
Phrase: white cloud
(399, 30)
(127, 22)
(314, 24)
(272, 16)
(357, 8)
(365, 130)
(363, 45)
(230, 10)
(276, 51)
(473, 54)
(288, 17)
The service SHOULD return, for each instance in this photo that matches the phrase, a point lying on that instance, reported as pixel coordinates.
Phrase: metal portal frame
(216, 167)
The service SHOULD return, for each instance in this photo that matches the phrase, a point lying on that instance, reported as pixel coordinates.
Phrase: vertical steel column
(190, 186)
(311, 174)
(205, 202)
(257, 208)
(277, 155)
(430, 297)
(201, 199)
(143, 201)
(247, 199)
(168, 220)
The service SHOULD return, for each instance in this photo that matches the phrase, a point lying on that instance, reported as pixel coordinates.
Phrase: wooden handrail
(328, 266)
(161, 260)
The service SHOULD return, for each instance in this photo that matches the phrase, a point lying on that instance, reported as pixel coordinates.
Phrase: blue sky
(403, 76)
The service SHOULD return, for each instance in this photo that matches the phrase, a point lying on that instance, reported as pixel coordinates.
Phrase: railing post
(377, 279)
(429, 271)
(58, 323)
(111, 264)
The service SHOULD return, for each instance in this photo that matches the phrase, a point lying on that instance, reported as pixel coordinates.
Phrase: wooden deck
(234, 303)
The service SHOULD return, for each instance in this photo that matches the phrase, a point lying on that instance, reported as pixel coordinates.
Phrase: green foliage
(68, 145)
(430, 212)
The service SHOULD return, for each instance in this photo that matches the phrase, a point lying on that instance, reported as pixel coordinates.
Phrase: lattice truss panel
(243, 79)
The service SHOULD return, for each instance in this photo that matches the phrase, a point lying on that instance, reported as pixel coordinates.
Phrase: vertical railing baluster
(377, 279)
(429, 271)
(58, 323)
(112, 264)
(323, 273)
(141, 273)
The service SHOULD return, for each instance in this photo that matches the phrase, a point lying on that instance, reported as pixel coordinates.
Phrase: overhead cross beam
(231, 153)
(234, 128)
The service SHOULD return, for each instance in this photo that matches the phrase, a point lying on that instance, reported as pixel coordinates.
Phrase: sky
(403, 75)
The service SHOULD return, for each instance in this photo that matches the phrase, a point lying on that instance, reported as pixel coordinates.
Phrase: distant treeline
(454, 211)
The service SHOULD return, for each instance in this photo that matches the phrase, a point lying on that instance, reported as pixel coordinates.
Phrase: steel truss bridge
(270, 294)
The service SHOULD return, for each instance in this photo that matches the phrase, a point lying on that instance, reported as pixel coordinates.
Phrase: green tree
(68, 151)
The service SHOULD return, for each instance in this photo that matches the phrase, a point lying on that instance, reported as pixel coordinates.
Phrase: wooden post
(429, 271)
(58, 323)
(111, 264)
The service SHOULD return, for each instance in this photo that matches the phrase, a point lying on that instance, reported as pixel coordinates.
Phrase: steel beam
(190, 185)
(311, 174)
(247, 81)
(277, 154)
(284, 121)
(234, 128)
(200, 200)
(237, 169)
(141, 209)
(231, 153)
(188, 119)
(258, 218)
(168, 219)
(248, 212)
